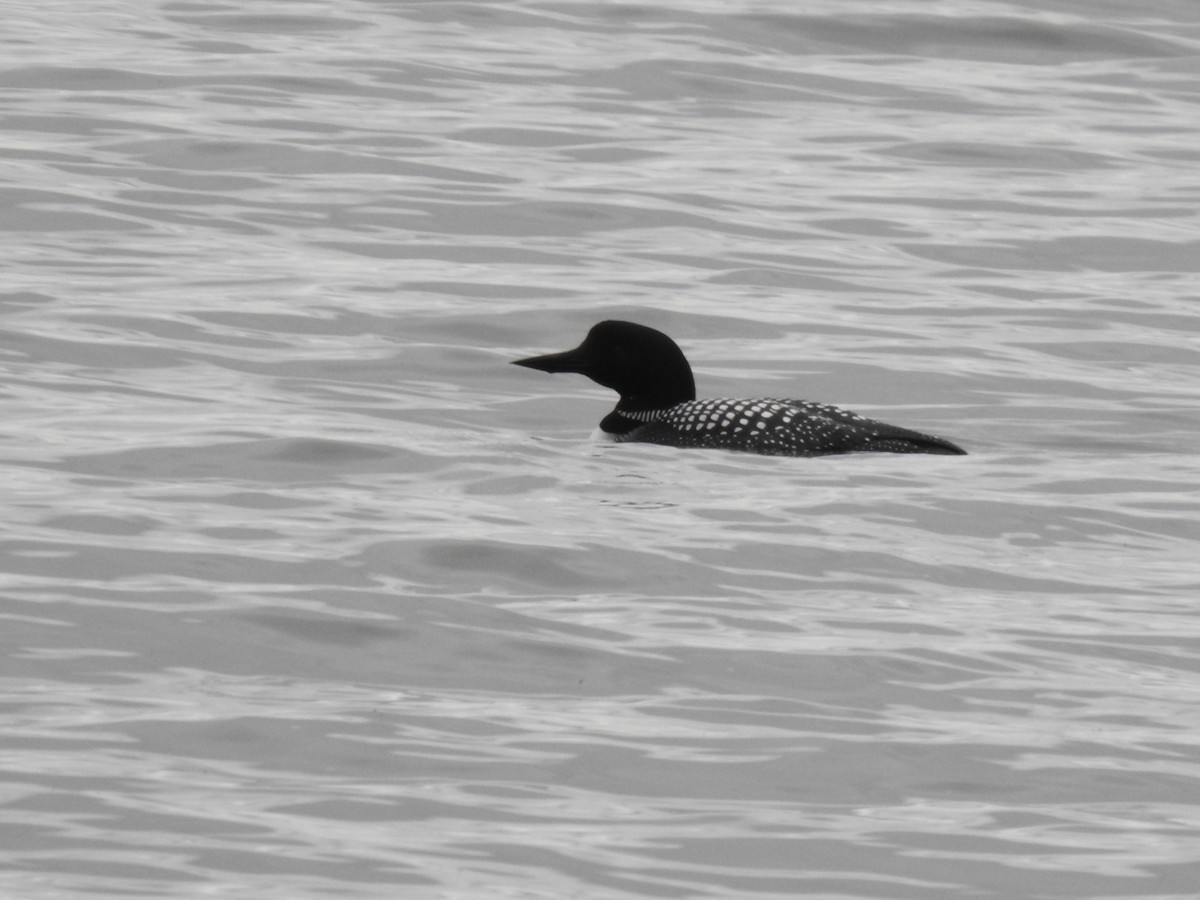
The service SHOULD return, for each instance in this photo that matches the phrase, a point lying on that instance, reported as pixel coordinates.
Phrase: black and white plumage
(658, 404)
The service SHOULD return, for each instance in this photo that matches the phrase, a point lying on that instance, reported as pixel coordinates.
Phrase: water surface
(308, 593)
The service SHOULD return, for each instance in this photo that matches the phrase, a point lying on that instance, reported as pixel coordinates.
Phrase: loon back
(658, 404)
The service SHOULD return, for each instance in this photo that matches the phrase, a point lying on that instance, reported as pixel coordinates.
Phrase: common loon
(658, 404)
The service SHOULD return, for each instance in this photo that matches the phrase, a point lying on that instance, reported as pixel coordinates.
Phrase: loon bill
(658, 404)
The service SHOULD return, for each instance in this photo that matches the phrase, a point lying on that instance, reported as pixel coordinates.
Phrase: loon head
(644, 366)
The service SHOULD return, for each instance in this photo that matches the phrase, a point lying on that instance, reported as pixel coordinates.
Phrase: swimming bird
(658, 404)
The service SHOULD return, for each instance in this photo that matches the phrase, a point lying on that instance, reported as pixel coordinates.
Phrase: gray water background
(307, 593)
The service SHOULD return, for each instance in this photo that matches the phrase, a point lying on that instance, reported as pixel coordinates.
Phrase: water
(308, 593)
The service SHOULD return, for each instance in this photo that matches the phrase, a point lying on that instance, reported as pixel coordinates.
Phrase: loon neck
(622, 420)
(660, 382)
(627, 415)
